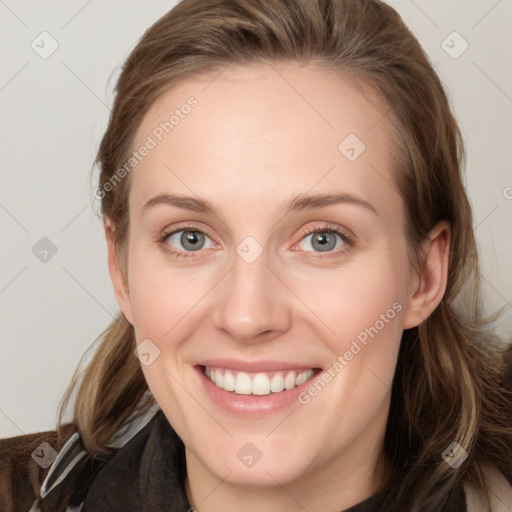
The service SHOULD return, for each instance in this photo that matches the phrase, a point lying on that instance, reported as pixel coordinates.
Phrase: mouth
(254, 389)
(258, 383)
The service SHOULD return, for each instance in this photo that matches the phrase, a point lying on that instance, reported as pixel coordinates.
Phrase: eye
(324, 239)
(182, 241)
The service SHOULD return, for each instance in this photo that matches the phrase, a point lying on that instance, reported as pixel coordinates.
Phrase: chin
(248, 465)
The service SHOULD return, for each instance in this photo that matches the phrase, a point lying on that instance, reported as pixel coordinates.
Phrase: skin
(252, 143)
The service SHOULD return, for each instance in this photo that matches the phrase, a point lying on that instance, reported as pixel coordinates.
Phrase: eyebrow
(297, 203)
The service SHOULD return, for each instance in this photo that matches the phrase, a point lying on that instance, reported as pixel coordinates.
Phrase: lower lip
(251, 405)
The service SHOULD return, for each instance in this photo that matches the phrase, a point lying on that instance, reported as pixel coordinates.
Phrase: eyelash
(346, 238)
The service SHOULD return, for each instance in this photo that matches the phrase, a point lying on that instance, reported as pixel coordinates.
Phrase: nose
(252, 304)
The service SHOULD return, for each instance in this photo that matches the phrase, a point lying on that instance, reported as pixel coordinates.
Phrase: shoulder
(24, 464)
(500, 493)
(73, 472)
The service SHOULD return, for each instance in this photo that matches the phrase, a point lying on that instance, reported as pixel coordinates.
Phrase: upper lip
(253, 366)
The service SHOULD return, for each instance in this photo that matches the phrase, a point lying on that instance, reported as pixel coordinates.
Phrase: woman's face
(266, 247)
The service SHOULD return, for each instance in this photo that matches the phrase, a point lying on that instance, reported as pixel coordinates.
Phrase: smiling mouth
(259, 384)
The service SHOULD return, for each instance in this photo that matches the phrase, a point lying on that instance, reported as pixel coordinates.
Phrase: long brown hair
(449, 382)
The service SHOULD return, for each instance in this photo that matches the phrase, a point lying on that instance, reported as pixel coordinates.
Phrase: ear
(118, 277)
(429, 284)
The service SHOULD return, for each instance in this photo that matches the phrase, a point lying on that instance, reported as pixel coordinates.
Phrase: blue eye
(184, 242)
(187, 240)
(323, 240)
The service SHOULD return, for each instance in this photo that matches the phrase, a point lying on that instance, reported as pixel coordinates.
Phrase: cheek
(362, 308)
(161, 296)
(368, 292)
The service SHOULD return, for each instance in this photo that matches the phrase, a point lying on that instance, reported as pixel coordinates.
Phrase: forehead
(262, 130)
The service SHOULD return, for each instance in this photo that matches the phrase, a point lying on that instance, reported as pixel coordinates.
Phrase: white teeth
(243, 384)
(229, 382)
(218, 378)
(277, 383)
(259, 384)
(289, 381)
(307, 375)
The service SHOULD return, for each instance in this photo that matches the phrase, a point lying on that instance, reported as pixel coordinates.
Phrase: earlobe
(432, 276)
(117, 275)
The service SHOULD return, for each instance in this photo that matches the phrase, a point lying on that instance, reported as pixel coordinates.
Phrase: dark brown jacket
(20, 475)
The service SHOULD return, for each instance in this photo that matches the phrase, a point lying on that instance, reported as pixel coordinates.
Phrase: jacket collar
(146, 475)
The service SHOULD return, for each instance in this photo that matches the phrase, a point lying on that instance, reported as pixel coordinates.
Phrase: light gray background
(54, 111)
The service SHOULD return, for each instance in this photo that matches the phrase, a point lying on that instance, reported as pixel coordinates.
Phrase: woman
(288, 238)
